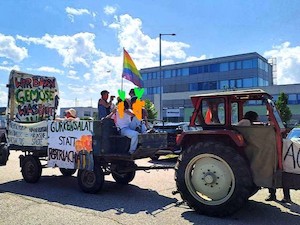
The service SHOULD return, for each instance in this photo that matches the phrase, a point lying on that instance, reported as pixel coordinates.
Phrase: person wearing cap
(104, 107)
(70, 115)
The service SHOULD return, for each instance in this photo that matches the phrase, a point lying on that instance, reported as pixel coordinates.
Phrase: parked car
(172, 129)
(294, 133)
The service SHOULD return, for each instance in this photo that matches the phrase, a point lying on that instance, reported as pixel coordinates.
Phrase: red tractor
(223, 164)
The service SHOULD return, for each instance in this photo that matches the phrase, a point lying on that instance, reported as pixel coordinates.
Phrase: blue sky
(80, 42)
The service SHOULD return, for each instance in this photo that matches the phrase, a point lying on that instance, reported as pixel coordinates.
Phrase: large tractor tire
(91, 181)
(31, 169)
(213, 179)
(67, 172)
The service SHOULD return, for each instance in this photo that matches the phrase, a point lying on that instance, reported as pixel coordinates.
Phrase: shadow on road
(253, 213)
(129, 198)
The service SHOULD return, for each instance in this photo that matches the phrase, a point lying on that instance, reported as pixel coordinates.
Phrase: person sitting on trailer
(123, 124)
(139, 125)
(70, 115)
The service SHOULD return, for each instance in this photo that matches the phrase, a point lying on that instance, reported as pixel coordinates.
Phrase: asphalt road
(147, 199)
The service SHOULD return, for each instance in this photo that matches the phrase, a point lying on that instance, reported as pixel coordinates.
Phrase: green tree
(283, 108)
(152, 113)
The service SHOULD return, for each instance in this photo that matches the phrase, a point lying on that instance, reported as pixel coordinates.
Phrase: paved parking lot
(147, 199)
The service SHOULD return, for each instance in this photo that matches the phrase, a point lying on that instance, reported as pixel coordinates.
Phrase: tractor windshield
(276, 114)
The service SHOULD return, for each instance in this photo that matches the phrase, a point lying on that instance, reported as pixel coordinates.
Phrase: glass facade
(244, 73)
(210, 68)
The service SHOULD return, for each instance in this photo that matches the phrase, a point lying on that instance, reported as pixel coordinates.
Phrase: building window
(239, 83)
(298, 98)
(232, 84)
(250, 82)
(224, 84)
(144, 76)
(205, 69)
(200, 69)
(231, 66)
(247, 64)
(185, 71)
(154, 75)
(194, 70)
(211, 85)
(292, 99)
(193, 87)
(179, 72)
(214, 68)
(275, 97)
(223, 67)
(238, 65)
(174, 73)
(167, 74)
(254, 62)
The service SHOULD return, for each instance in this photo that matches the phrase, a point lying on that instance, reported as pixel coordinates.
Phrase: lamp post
(160, 77)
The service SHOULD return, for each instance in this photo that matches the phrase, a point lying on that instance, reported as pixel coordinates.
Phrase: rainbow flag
(130, 72)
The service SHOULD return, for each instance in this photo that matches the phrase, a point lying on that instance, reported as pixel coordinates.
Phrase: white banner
(22, 134)
(291, 156)
(70, 144)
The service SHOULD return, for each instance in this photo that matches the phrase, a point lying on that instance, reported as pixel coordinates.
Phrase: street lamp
(160, 77)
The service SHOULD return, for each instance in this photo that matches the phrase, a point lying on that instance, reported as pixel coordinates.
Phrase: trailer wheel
(213, 179)
(4, 154)
(123, 178)
(91, 181)
(67, 172)
(31, 169)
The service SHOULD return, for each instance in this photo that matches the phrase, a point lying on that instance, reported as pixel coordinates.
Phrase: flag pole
(123, 71)
(122, 83)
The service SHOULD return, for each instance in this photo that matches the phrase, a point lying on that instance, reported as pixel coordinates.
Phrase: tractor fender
(228, 136)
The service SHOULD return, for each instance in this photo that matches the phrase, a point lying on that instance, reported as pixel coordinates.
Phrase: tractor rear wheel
(214, 179)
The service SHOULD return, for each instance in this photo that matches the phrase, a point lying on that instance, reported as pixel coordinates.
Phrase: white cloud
(109, 10)
(143, 49)
(49, 70)
(72, 75)
(288, 62)
(3, 94)
(77, 12)
(10, 68)
(92, 25)
(87, 76)
(77, 49)
(9, 49)
(194, 58)
(72, 12)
